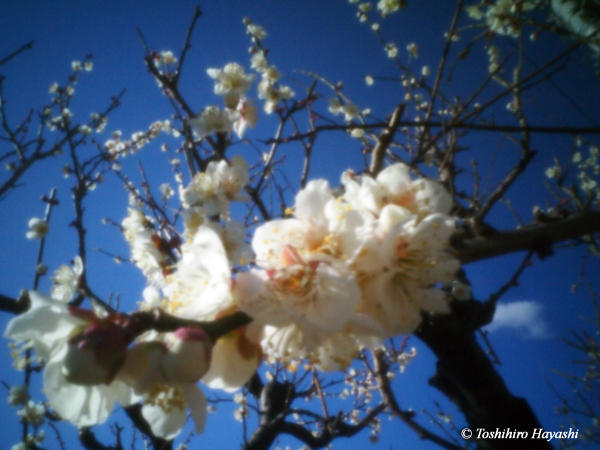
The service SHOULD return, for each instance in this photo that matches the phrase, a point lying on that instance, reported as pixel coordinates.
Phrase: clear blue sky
(323, 37)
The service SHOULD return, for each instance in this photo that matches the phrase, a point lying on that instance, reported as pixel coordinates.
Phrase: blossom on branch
(200, 289)
(165, 373)
(55, 334)
(66, 280)
(38, 229)
(221, 183)
(213, 120)
(145, 253)
(231, 82)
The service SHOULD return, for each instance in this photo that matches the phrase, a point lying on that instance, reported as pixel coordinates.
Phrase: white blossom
(49, 325)
(18, 395)
(389, 6)
(221, 183)
(38, 228)
(231, 82)
(66, 279)
(213, 120)
(141, 236)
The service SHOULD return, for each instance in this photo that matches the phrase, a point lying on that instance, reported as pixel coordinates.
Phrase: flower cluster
(349, 271)
(232, 83)
(504, 16)
(89, 367)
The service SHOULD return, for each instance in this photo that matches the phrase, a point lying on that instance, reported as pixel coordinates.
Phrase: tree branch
(538, 237)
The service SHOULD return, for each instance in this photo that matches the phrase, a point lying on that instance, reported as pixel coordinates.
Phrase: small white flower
(232, 82)
(369, 80)
(391, 49)
(389, 6)
(76, 66)
(350, 111)
(38, 228)
(18, 395)
(66, 280)
(413, 50)
(357, 133)
(405, 358)
(259, 61)
(167, 191)
(213, 120)
(167, 57)
(32, 413)
(256, 31)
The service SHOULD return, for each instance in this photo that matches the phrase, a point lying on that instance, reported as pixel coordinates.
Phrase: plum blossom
(248, 116)
(221, 183)
(389, 6)
(399, 265)
(143, 238)
(393, 185)
(258, 62)
(66, 280)
(213, 120)
(165, 373)
(231, 82)
(200, 289)
(51, 328)
(273, 94)
(38, 228)
(256, 31)
(304, 292)
(18, 395)
(32, 413)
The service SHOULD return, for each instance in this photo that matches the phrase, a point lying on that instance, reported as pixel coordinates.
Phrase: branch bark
(468, 378)
(538, 237)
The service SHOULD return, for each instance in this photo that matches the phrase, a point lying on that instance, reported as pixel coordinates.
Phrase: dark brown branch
(15, 306)
(381, 370)
(468, 378)
(158, 320)
(537, 237)
(336, 429)
(446, 126)
(88, 440)
(27, 46)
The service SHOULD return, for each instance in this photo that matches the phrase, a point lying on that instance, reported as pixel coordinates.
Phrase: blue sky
(324, 37)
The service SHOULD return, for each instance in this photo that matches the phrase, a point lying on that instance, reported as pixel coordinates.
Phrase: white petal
(196, 402)
(47, 323)
(84, 406)
(229, 369)
(164, 425)
(395, 178)
(311, 201)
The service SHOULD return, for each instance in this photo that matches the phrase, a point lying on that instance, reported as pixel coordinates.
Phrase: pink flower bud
(95, 353)
(188, 355)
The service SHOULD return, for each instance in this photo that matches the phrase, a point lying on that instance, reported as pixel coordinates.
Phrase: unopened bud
(95, 354)
(188, 355)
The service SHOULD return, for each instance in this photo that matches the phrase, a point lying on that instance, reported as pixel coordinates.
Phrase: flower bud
(95, 354)
(188, 355)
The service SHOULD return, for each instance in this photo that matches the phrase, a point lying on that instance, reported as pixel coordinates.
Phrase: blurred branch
(27, 46)
(538, 237)
(468, 378)
(381, 370)
(134, 412)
